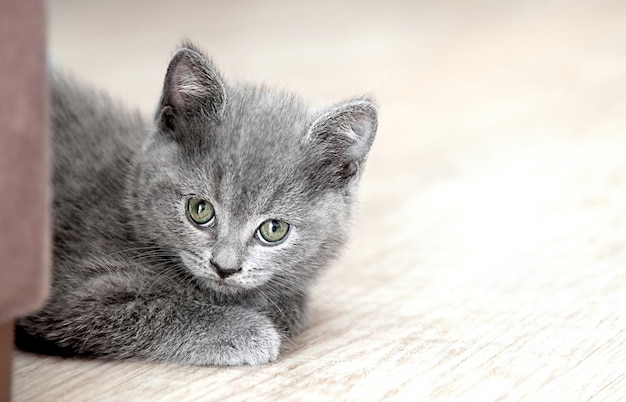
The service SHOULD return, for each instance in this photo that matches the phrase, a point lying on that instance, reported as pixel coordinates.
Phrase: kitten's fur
(133, 276)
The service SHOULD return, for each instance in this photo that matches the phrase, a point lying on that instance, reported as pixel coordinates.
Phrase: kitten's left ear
(192, 89)
(346, 133)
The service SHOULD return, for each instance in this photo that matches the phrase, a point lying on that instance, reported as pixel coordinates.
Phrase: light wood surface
(489, 258)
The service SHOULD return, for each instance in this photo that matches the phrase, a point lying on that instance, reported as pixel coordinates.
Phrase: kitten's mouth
(225, 287)
(221, 282)
(229, 285)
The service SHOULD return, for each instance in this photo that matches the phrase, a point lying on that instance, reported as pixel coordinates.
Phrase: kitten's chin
(221, 286)
(228, 286)
(232, 285)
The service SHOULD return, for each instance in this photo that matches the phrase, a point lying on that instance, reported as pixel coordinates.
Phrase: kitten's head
(248, 186)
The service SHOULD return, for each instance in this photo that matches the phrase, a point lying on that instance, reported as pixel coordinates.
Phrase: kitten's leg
(111, 316)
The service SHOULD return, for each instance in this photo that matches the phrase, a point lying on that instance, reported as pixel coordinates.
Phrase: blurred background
(445, 73)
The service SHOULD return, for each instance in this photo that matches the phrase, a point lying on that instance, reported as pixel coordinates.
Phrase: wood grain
(489, 258)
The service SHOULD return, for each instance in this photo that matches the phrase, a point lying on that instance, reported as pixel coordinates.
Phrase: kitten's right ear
(192, 89)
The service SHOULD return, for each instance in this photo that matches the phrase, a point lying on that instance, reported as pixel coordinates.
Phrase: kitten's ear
(345, 134)
(192, 89)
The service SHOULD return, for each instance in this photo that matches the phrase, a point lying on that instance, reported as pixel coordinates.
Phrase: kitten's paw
(254, 341)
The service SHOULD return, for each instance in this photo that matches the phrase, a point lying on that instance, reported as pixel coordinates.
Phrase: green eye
(273, 230)
(201, 212)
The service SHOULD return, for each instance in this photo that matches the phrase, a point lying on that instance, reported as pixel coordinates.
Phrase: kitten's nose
(224, 272)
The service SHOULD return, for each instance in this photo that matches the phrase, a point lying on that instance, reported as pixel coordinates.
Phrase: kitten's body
(134, 276)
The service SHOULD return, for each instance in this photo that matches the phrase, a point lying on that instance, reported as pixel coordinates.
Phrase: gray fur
(134, 277)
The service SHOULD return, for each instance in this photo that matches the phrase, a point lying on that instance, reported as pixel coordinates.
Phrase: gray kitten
(196, 239)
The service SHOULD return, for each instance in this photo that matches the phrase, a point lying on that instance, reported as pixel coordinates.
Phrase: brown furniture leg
(24, 171)
(6, 353)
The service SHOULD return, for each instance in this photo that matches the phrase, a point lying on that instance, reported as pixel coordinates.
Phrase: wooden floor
(489, 259)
